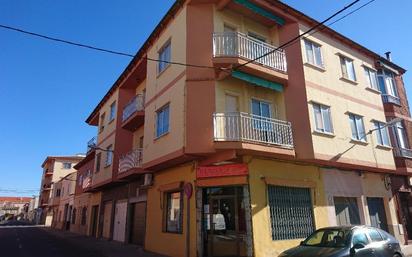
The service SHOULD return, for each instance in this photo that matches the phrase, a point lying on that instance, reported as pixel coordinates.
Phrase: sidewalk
(407, 250)
(103, 247)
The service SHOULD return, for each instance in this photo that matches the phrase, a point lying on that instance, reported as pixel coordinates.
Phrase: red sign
(222, 171)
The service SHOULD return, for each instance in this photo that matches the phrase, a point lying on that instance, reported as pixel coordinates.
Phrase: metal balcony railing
(403, 152)
(136, 104)
(235, 44)
(391, 99)
(91, 144)
(131, 160)
(246, 127)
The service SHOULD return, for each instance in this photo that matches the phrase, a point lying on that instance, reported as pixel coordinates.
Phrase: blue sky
(47, 90)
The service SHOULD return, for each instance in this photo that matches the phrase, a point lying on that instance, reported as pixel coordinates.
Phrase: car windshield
(334, 237)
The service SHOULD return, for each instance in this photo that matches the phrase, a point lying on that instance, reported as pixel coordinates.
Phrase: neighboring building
(64, 213)
(244, 157)
(54, 169)
(32, 214)
(14, 207)
(86, 203)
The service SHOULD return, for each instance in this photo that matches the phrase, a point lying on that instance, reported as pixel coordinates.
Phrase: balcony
(131, 162)
(248, 128)
(391, 99)
(91, 145)
(133, 113)
(235, 46)
(87, 183)
(403, 152)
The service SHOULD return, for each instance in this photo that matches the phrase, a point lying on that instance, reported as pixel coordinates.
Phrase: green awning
(259, 10)
(257, 81)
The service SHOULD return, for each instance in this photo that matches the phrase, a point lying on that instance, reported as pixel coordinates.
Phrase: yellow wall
(174, 140)
(168, 243)
(330, 78)
(245, 93)
(264, 246)
(244, 25)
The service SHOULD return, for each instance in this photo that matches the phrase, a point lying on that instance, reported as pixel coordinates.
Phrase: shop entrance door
(406, 214)
(225, 224)
(377, 213)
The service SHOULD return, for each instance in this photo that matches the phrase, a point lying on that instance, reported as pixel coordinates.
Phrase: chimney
(388, 56)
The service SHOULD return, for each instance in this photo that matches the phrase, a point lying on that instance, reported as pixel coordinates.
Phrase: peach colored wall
(326, 87)
(244, 25)
(245, 93)
(136, 137)
(174, 96)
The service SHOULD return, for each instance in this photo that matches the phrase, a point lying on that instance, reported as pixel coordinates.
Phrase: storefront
(402, 191)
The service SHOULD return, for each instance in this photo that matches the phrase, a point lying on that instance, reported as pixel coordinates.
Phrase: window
(382, 135)
(109, 155)
(74, 216)
(112, 111)
(98, 160)
(101, 127)
(323, 121)
(84, 216)
(346, 210)
(256, 37)
(357, 127)
(260, 108)
(58, 192)
(348, 70)
(141, 140)
(387, 83)
(291, 212)
(162, 122)
(359, 237)
(67, 165)
(164, 57)
(374, 235)
(401, 137)
(313, 53)
(174, 212)
(371, 78)
(232, 103)
(329, 237)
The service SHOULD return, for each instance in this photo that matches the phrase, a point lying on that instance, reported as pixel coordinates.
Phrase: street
(18, 239)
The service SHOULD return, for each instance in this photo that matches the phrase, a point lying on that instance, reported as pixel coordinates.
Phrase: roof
(15, 199)
(70, 158)
(176, 7)
(90, 156)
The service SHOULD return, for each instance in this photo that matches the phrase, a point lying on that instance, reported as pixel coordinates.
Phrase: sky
(47, 90)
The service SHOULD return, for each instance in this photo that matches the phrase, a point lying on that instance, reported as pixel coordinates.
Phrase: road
(29, 241)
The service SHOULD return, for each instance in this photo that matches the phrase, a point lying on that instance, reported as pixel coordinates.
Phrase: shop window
(291, 212)
(174, 212)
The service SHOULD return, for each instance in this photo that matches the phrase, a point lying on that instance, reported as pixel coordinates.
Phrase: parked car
(347, 241)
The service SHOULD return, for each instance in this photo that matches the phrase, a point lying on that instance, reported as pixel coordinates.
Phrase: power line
(64, 41)
(299, 36)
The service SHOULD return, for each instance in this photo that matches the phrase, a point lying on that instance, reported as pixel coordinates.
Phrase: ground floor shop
(402, 191)
(259, 207)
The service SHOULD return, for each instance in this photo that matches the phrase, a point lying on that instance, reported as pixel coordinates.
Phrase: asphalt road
(18, 240)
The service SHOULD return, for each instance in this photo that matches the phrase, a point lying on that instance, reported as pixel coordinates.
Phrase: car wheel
(396, 255)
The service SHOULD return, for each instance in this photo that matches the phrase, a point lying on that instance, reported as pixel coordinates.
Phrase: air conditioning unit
(148, 179)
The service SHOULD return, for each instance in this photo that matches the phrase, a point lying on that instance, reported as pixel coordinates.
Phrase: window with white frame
(401, 137)
(112, 114)
(348, 69)
(162, 121)
(357, 127)
(382, 135)
(165, 55)
(109, 155)
(67, 165)
(387, 83)
(323, 120)
(371, 78)
(313, 53)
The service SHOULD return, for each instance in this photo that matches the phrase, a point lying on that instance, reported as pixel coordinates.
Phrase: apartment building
(54, 169)
(238, 156)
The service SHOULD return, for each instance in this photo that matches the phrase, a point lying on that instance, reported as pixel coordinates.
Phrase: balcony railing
(245, 127)
(391, 99)
(235, 44)
(91, 144)
(87, 182)
(131, 160)
(403, 152)
(135, 105)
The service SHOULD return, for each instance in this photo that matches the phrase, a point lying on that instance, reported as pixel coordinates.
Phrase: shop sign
(222, 171)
